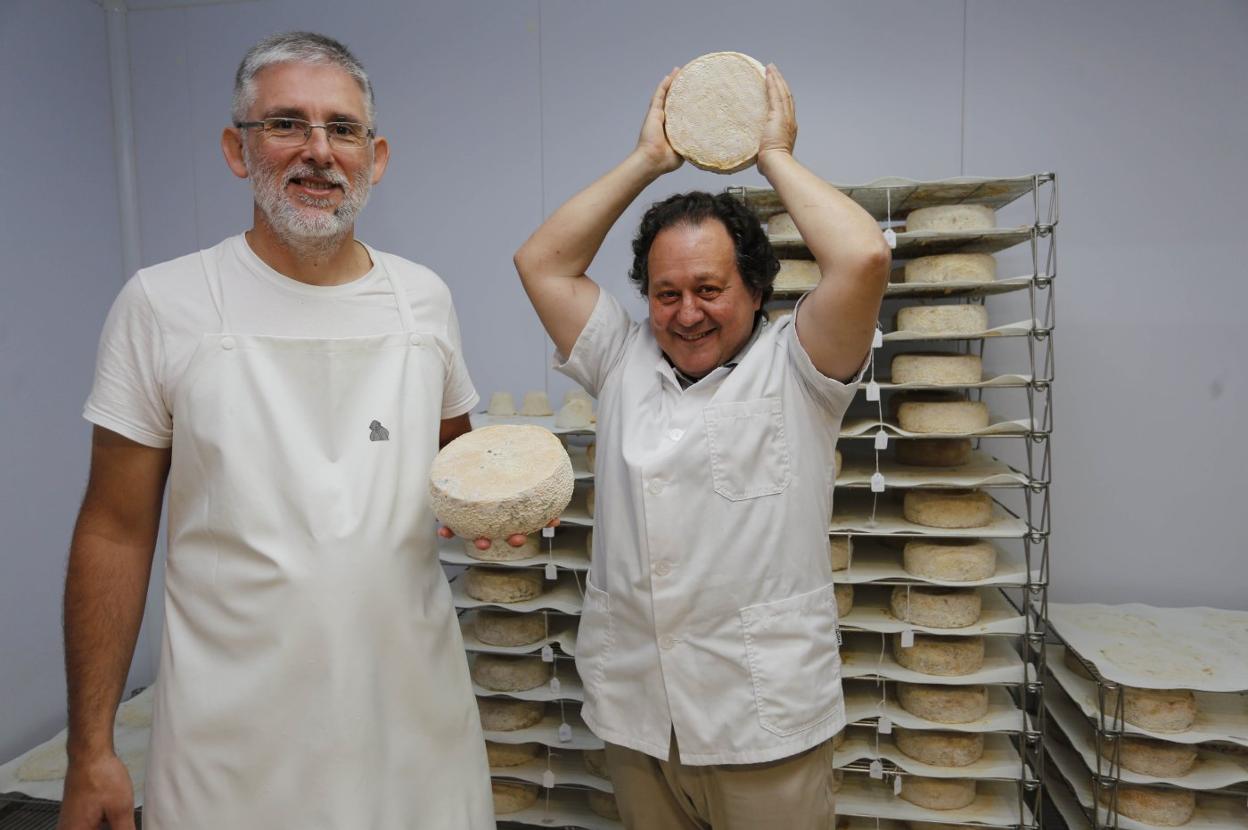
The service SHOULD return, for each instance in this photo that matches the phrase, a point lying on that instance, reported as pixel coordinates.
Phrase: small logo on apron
(377, 432)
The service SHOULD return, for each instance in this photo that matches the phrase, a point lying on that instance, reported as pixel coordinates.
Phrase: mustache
(308, 171)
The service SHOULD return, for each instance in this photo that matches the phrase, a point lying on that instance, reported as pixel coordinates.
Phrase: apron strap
(212, 275)
(396, 285)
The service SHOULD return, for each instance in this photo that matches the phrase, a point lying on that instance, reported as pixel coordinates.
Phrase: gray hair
(296, 47)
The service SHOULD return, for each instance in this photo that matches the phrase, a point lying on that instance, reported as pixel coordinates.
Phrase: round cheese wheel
(840, 552)
(501, 714)
(503, 585)
(940, 748)
(782, 224)
(947, 508)
(947, 417)
(936, 607)
(940, 655)
(574, 414)
(937, 368)
(1148, 756)
(946, 218)
(934, 452)
(510, 755)
(576, 393)
(971, 268)
(500, 550)
(501, 403)
(49, 762)
(1157, 710)
(508, 673)
(943, 319)
(938, 793)
(602, 804)
(596, 762)
(797, 275)
(950, 560)
(496, 481)
(943, 704)
(1159, 806)
(844, 593)
(503, 628)
(512, 796)
(536, 404)
(715, 110)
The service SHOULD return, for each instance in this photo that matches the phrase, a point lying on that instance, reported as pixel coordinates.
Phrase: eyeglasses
(295, 132)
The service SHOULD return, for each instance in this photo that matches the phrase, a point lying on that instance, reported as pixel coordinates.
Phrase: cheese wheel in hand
(715, 111)
(497, 481)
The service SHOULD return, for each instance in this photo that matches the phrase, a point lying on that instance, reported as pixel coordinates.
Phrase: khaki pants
(794, 793)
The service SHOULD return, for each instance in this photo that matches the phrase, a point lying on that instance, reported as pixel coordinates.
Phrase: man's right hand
(98, 793)
(653, 143)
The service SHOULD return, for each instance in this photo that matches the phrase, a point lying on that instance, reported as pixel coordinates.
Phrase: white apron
(312, 672)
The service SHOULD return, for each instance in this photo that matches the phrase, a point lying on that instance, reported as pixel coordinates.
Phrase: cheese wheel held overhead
(715, 110)
(500, 480)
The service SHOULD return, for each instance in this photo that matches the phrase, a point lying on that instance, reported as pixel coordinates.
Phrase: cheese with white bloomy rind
(501, 403)
(575, 414)
(536, 404)
(715, 110)
(500, 480)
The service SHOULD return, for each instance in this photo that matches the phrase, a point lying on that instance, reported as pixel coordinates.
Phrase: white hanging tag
(548, 533)
(884, 726)
(555, 685)
(873, 391)
(896, 785)
(881, 440)
(876, 770)
(877, 340)
(565, 733)
(548, 654)
(907, 638)
(890, 238)
(552, 573)
(877, 482)
(548, 779)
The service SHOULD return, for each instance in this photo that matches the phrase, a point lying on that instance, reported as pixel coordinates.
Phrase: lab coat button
(655, 487)
(227, 343)
(663, 567)
(667, 642)
(676, 434)
(414, 339)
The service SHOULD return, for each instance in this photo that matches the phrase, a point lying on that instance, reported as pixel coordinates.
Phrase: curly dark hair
(755, 259)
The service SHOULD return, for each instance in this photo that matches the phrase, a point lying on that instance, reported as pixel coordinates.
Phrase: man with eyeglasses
(292, 385)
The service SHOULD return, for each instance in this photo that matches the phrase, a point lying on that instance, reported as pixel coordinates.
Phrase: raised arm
(110, 561)
(836, 322)
(553, 261)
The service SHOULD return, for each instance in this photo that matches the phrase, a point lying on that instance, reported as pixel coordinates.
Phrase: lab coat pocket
(594, 637)
(793, 660)
(748, 448)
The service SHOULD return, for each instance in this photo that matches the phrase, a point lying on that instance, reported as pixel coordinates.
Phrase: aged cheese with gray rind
(940, 655)
(941, 703)
(499, 480)
(510, 755)
(503, 714)
(938, 793)
(715, 110)
(934, 452)
(503, 585)
(1149, 756)
(508, 629)
(947, 509)
(1159, 806)
(509, 673)
(512, 796)
(950, 560)
(940, 748)
(945, 417)
(936, 607)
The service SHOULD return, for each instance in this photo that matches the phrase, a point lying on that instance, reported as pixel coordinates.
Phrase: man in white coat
(293, 385)
(708, 640)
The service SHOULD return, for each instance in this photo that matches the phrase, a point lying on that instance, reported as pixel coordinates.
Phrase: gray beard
(308, 233)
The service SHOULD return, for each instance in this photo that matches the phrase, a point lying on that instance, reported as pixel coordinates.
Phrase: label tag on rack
(565, 733)
(548, 533)
(881, 440)
(885, 726)
(907, 638)
(877, 482)
(552, 573)
(548, 654)
(876, 770)
(873, 391)
(890, 238)
(548, 779)
(877, 340)
(896, 785)
(555, 685)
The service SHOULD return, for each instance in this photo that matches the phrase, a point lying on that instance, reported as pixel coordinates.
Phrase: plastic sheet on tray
(561, 807)
(1213, 770)
(567, 765)
(1213, 812)
(863, 655)
(864, 699)
(1000, 761)
(911, 244)
(1159, 648)
(994, 382)
(1220, 716)
(1019, 329)
(874, 560)
(996, 804)
(546, 731)
(568, 553)
(871, 612)
(561, 632)
(565, 594)
(570, 686)
(859, 427)
(981, 470)
(851, 513)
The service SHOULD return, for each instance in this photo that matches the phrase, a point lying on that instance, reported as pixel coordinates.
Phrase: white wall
(500, 109)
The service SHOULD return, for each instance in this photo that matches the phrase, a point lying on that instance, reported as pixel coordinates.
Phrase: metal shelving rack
(1024, 496)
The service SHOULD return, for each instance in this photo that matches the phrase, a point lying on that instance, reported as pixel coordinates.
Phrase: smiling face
(701, 311)
(315, 191)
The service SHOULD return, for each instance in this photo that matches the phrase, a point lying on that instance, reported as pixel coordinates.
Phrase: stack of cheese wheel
(797, 275)
(949, 320)
(933, 606)
(1157, 710)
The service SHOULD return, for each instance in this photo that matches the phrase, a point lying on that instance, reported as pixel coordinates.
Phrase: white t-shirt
(160, 316)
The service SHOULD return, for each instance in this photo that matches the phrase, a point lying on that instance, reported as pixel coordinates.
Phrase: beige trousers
(794, 793)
